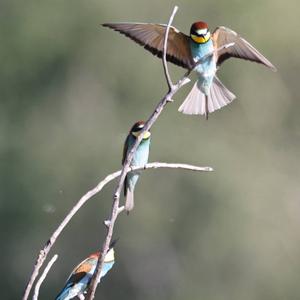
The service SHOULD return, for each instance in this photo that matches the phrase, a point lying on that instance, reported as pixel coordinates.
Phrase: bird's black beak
(113, 243)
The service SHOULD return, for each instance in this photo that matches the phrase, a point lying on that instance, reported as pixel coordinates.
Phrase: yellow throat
(145, 136)
(200, 39)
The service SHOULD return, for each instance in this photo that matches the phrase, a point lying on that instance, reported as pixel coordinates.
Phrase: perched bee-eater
(208, 93)
(80, 278)
(140, 158)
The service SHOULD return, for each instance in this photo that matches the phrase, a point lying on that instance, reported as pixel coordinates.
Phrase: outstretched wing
(151, 37)
(241, 48)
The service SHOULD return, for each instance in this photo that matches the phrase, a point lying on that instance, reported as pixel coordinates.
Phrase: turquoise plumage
(140, 158)
(80, 278)
(207, 69)
(208, 93)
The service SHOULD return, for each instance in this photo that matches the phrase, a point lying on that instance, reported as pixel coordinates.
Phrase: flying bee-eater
(80, 278)
(209, 50)
(140, 158)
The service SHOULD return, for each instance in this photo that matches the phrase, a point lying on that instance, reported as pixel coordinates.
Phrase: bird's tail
(129, 198)
(197, 103)
(65, 294)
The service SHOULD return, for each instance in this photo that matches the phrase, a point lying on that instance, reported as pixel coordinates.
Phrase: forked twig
(114, 213)
(43, 276)
(173, 88)
(116, 210)
(49, 244)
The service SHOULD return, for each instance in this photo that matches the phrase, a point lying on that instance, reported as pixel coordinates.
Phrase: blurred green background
(70, 91)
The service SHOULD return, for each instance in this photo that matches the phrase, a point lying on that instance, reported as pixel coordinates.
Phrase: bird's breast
(141, 155)
(208, 67)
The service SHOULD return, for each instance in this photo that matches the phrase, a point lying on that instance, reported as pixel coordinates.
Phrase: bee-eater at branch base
(140, 158)
(80, 278)
(208, 93)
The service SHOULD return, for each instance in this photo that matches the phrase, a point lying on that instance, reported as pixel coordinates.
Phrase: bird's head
(137, 128)
(199, 32)
(110, 255)
(94, 255)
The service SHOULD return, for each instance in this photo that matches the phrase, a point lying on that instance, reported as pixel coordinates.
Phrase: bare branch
(154, 116)
(126, 166)
(173, 88)
(114, 214)
(44, 252)
(152, 119)
(43, 276)
(165, 65)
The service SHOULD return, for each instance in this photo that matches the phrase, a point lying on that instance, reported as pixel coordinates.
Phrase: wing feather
(125, 149)
(241, 48)
(151, 37)
(81, 270)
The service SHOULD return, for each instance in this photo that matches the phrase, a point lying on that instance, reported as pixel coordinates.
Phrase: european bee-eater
(208, 93)
(140, 158)
(80, 278)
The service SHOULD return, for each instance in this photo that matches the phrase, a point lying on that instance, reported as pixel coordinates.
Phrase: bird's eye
(135, 133)
(201, 32)
(137, 127)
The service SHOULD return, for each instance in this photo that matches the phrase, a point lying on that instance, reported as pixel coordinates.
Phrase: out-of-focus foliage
(70, 90)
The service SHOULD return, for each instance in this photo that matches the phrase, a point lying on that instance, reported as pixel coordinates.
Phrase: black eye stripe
(202, 34)
(137, 129)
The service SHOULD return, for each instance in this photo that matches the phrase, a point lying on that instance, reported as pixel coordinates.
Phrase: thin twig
(43, 276)
(126, 167)
(166, 71)
(206, 56)
(47, 247)
(152, 119)
(159, 108)
(116, 210)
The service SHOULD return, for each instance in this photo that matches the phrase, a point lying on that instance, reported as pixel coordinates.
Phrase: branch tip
(165, 46)
(122, 174)
(43, 253)
(43, 276)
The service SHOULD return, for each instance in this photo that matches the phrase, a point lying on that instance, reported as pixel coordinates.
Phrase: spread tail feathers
(196, 103)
